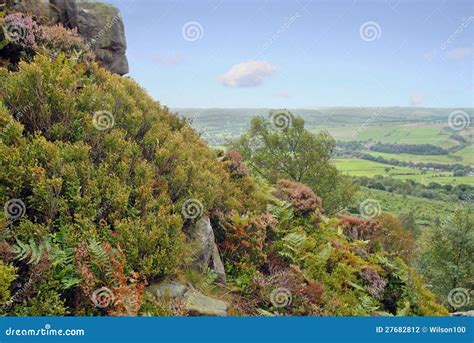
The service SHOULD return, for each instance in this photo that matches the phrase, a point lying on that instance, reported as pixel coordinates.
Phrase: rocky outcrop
(206, 254)
(100, 25)
(195, 303)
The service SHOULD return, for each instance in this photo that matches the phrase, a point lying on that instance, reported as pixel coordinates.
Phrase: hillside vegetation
(96, 178)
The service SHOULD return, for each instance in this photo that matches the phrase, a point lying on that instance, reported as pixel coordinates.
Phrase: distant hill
(216, 124)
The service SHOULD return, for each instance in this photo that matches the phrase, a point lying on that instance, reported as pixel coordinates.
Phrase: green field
(402, 134)
(458, 158)
(425, 211)
(467, 155)
(358, 167)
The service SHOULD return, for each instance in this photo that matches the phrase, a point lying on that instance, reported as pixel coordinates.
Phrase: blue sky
(300, 53)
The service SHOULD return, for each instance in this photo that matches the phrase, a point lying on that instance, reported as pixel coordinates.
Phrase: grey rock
(206, 254)
(194, 301)
(218, 266)
(200, 304)
(101, 26)
(168, 289)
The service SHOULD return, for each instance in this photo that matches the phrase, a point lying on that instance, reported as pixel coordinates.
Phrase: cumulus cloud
(417, 99)
(248, 74)
(459, 53)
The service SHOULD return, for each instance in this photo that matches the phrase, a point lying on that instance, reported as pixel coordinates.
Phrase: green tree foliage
(99, 173)
(124, 185)
(447, 251)
(297, 154)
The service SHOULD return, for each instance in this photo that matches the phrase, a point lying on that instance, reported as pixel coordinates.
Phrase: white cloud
(417, 99)
(248, 74)
(459, 53)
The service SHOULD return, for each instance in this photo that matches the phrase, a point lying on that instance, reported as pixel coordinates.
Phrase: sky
(302, 53)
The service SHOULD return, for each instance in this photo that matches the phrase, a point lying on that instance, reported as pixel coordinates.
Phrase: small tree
(281, 148)
(446, 259)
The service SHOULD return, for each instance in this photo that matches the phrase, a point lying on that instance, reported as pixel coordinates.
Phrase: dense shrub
(98, 174)
(123, 186)
(18, 38)
(7, 276)
(361, 228)
(301, 197)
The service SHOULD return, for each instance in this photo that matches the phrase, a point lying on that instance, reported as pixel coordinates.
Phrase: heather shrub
(57, 39)
(235, 163)
(18, 37)
(302, 198)
(361, 228)
(122, 186)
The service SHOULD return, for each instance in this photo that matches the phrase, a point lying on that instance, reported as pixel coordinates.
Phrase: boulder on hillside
(195, 302)
(207, 254)
(101, 26)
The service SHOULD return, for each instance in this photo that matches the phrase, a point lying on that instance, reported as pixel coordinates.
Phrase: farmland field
(414, 126)
(358, 167)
